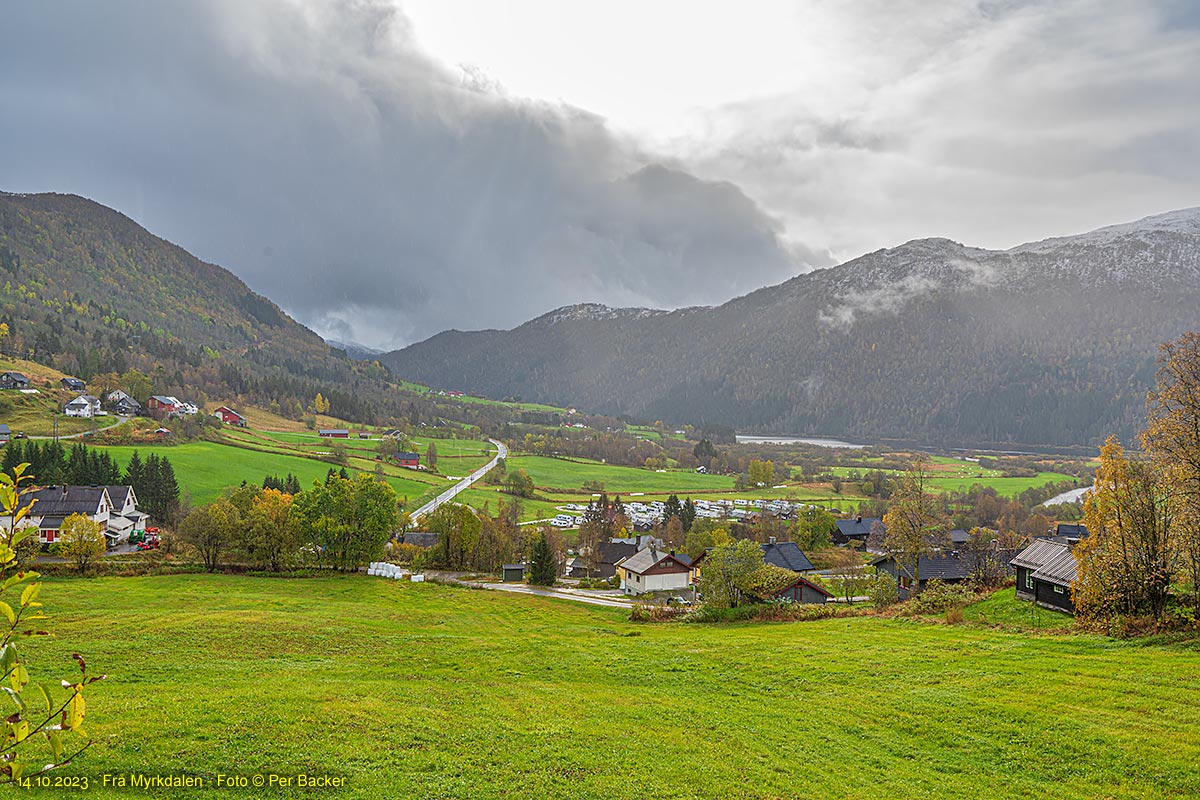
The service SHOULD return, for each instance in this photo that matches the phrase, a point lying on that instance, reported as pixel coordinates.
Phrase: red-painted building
(408, 459)
(334, 433)
(230, 417)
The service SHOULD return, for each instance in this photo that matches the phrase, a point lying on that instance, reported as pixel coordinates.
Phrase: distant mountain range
(1048, 343)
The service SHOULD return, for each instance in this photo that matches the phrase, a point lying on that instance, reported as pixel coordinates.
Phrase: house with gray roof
(854, 530)
(653, 570)
(1045, 571)
(787, 555)
(53, 504)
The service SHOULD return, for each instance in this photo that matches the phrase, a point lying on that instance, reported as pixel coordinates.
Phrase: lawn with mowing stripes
(420, 690)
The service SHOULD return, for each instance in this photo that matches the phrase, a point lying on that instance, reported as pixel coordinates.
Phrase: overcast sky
(386, 170)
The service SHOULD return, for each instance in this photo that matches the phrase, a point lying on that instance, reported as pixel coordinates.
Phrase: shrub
(938, 597)
(884, 591)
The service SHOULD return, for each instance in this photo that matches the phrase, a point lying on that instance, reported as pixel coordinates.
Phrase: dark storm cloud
(378, 196)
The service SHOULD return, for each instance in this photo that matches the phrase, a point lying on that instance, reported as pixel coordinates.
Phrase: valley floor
(421, 690)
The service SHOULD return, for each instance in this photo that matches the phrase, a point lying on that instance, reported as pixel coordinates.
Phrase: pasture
(420, 690)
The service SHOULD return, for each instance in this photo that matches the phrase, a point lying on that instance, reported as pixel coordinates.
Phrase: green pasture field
(559, 473)
(967, 475)
(422, 690)
(205, 469)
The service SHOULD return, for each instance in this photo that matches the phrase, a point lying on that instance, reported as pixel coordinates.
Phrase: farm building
(653, 570)
(5, 434)
(13, 380)
(512, 573)
(1045, 572)
(230, 417)
(408, 459)
(334, 433)
(73, 384)
(161, 406)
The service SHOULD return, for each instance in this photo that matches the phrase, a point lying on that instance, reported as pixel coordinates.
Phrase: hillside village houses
(229, 417)
(83, 406)
(13, 380)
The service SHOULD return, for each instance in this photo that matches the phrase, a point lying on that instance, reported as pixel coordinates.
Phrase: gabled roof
(14, 375)
(802, 581)
(119, 495)
(959, 537)
(1050, 561)
(612, 552)
(62, 501)
(644, 560)
(334, 430)
(952, 566)
(787, 555)
(408, 456)
(165, 400)
(857, 527)
(4, 428)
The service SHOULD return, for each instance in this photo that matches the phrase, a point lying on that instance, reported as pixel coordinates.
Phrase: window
(1059, 590)
(1029, 579)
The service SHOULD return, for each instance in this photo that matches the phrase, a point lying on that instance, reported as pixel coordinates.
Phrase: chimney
(859, 520)
(771, 540)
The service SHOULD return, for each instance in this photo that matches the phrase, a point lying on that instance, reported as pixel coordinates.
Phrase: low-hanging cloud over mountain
(381, 197)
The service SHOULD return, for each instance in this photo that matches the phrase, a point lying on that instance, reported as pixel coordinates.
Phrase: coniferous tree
(542, 569)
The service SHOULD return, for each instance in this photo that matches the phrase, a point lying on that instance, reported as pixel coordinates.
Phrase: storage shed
(512, 573)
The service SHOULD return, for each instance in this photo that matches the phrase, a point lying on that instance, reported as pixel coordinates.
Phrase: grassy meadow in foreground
(419, 690)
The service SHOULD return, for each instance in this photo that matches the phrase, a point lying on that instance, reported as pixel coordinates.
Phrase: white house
(653, 570)
(124, 517)
(53, 504)
(83, 406)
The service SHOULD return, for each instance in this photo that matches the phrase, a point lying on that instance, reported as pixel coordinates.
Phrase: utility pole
(56, 427)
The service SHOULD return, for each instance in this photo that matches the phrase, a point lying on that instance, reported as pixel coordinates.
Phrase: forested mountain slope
(1048, 343)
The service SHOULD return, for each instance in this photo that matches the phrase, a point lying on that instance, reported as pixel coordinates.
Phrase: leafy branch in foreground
(62, 718)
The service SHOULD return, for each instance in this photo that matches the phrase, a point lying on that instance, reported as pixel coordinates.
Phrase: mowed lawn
(205, 469)
(419, 690)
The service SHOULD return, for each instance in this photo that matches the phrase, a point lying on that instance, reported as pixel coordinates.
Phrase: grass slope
(205, 468)
(418, 690)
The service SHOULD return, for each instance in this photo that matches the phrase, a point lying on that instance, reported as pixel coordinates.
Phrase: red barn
(230, 417)
(408, 459)
(334, 433)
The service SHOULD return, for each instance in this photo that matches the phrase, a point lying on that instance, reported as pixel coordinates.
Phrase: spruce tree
(542, 569)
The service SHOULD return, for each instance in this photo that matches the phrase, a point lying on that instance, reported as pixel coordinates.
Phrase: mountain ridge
(1048, 342)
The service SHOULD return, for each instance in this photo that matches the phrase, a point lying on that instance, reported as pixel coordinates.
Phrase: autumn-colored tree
(1172, 437)
(320, 404)
(212, 529)
(915, 523)
(431, 456)
(727, 571)
(270, 533)
(81, 541)
(1124, 566)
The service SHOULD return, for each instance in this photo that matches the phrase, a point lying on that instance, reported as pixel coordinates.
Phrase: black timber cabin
(854, 530)
(1045, 572)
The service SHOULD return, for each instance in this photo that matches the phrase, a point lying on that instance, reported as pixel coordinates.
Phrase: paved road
(465, 483)
(119, 421)
(564, 594)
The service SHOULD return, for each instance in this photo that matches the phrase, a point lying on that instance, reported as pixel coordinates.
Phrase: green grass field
(419, 690)
(562, 474)
(206, 468)
(951, 475)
